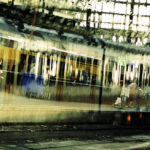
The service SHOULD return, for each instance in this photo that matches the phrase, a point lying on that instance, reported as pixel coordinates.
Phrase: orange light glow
(141, 116)
(129, 118)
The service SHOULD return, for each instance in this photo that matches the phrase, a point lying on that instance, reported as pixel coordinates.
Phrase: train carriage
(66, 67)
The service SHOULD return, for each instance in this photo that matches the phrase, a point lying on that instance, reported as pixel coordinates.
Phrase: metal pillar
(101, 82)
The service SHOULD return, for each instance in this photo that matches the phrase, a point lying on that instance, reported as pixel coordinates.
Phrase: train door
(94, 69)
(116, 73)
(61, 76)
(10, 67)
(111, 63)
(122, 68)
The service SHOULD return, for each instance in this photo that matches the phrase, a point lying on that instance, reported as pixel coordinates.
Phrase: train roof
(8, 31)
(94, 41)
(128, 47)
(46, 34)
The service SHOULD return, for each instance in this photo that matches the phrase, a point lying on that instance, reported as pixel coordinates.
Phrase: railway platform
(19, 109)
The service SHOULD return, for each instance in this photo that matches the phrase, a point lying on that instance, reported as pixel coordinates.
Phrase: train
(43, 64)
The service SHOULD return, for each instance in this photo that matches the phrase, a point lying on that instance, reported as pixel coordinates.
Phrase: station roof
(59, 24)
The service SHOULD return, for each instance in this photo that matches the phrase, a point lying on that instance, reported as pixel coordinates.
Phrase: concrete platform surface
(19, 109)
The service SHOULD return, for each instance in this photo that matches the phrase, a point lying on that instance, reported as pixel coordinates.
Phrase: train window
(71, 70)
(95, 62)
(78, 61)
(122, 76)
(15, 44)
(51, 62)
(62, 67)
(89, 60)
(132, 67)
(53, 65)
(127, 67)
(82, 60)
(4, 42)
(115, 73)
(110, 69)
(1, 63)
(8, 43)
(11, 43)
(88, 69)
(31, 64)
(1, 41)
(76, 71)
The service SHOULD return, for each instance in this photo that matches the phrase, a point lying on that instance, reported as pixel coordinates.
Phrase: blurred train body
(66, 67)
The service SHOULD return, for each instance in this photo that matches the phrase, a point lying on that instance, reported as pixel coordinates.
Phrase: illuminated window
(142, 28)
(135, 20)
(119, 19)
(128, 8)
(133, 40)
(98, 6)
(135, 11)
(120, 8)
(107, 18)
(143, 1)
(143, 21)
(91, 24)
(92, 17)
(142, 10)
(78, 15)
(139, 43)
(114, 38)
(115, 76)
(120, 38)
(93, 6)
(148, 10)
(121, 0)
(53, 65)
(126, 27)
(118, 26)
(108, 7)
(145, 40)
(106, 25)
(96, 25)
(134, 27)
(96, 17)
(132, 75)
(127, 20)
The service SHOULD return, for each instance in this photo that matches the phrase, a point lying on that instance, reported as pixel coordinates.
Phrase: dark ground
(14, 134)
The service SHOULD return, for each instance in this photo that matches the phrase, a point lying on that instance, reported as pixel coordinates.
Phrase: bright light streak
(73, 53)
(37, 63)
(114, 38)
(11, 38)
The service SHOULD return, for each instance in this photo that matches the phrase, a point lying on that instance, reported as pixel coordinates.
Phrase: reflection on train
(35, 68)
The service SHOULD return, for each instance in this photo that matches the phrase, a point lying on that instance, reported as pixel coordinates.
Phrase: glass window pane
(120, 8)
(136, 10)
(108, 7)
(98, 6)
(107, 18)
(142, 10)
(134, 20)
(143, 20)
(119, 19)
